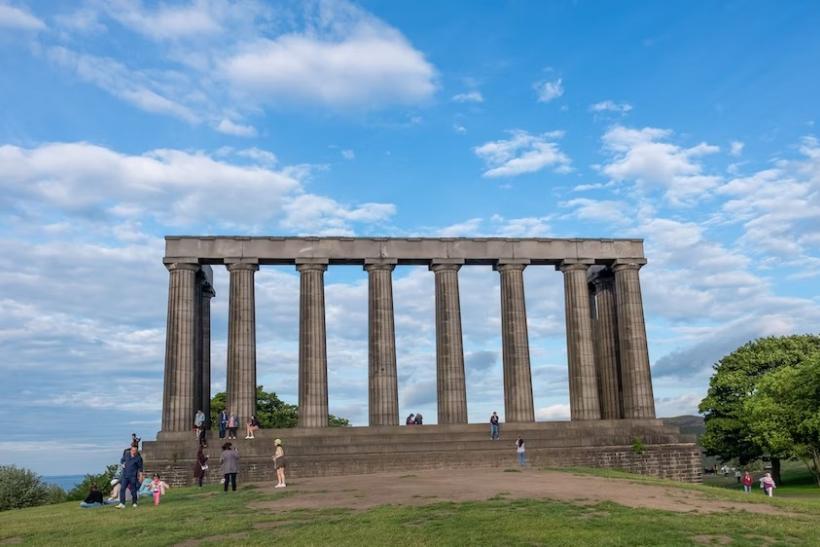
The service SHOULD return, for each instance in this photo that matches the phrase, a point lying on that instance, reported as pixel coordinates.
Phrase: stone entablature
(608, 361)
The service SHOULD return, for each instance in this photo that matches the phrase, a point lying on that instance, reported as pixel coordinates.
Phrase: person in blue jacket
(131, 470)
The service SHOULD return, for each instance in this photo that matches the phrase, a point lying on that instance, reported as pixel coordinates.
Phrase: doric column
(583, 382)
(382, 375)
(518, 405)
(451, 386)
(205, 343)
(242, 338)
(636, 376)
(178, 391)
(198, 349)
(313, 405)
(605, 332)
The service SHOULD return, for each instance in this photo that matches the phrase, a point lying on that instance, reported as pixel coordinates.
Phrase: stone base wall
(351, 451)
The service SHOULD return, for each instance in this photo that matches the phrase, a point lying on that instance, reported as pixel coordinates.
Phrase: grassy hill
(191, 516)
(689, 425)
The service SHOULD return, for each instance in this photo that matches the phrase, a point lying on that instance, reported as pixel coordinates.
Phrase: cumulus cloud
(610, 106)
(469, 97)
(523, 153)
(549, 90)
(232, 128)
(642, 156)
(12, 17)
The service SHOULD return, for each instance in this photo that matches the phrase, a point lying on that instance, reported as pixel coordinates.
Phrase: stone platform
(356, 450)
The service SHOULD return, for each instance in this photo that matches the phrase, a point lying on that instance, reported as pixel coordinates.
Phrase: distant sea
(66, 482)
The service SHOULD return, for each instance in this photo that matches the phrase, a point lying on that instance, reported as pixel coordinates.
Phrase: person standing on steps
(233, 425)
(279, 463)
(494, 427)
(747, 482)
(229, 461)
(419, 420)
(521, 451)
(199, 423)
(223, 423)
(200, 466)
(131, 470)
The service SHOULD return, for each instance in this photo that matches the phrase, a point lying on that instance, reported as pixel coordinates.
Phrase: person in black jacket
(93, 499)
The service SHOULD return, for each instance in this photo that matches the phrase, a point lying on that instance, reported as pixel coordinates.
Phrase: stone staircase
(355, 450)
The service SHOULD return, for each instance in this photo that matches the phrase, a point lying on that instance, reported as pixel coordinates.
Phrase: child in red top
(747, 482)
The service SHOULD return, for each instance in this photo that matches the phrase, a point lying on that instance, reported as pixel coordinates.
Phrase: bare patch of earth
(712, 540)
(366, 491)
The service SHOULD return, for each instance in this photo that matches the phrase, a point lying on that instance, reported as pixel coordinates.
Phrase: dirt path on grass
(423, 488)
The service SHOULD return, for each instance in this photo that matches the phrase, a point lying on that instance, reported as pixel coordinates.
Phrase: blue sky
(688, 124)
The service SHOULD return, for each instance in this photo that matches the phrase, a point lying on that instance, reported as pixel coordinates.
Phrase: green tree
(728, 428)
(271, 411)
(784, 412)
(21, 487)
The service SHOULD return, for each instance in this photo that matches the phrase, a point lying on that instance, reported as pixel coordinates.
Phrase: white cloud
(553, 413)
(318, 215)
(458, 128)
(170, 22)
(348, 154)
(12, 17)
(231, 128)
(736, 148)
(642, 156)
(549, 90)
(469, 97)
(610, 106)
(468, 228)
(615, 212)
(523, 153)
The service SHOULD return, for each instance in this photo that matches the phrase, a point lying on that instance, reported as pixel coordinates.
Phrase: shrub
(21, 487)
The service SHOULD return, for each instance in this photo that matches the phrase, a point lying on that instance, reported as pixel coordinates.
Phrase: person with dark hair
(521, 451)
(200, 466)
(223, 423)
(131, 469)
(233, 425)
(93, 499)
(419, 420)
(411, 420)
(251, 427)
(495, 434)
(229, 461)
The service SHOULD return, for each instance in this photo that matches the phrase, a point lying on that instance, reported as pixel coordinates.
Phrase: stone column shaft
(636, 375)
(313, 402)
(583, 381)
(198, 352)
(242, 340)
(178, 391)
(608, 362)
(205, 329)
(382, 374)
(451, 385)
(518, 405)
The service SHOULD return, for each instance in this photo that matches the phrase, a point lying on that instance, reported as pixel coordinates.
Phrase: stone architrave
(180, 350)
(583, 381)
(383, 400)
(636, 376)
(313, 401)
(607, 359)
(451, 385)
(241, 388)
(518, 404)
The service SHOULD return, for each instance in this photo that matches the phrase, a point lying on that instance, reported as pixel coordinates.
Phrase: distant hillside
(689, 425)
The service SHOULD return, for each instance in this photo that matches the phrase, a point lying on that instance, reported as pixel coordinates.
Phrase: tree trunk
(776, 470)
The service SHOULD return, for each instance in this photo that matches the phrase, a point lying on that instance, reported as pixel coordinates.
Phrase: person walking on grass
(229, 461)
(279, 463)
(768, 485)
(747, 482)
(494, 427)
(158, 488)
(131, 469)
(521, 451)
(200, 466)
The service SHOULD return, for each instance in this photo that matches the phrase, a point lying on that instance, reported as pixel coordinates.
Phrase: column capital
(511, 264)
(241, 264)
(628, 264)
(574, 264)
(311, 264)
(445, 264)
(374, 264)
(174, 265)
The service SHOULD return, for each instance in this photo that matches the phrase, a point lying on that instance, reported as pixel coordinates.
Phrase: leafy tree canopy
(784, 412)
(271, 411)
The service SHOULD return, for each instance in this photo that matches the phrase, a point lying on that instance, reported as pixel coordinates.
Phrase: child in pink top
(158, 487)
(768, 484)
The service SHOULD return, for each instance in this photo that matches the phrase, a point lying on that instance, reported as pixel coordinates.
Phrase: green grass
(190, 513)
